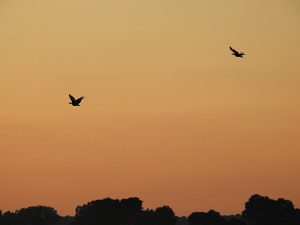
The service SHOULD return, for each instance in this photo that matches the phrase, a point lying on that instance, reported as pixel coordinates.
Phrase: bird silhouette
(236, 53)
(75, 102)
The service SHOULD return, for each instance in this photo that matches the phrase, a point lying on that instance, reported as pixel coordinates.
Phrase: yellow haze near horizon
(169, 115)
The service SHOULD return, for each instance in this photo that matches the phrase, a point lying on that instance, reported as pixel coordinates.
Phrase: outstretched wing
(79, 100)
(233, 50)
(72, 98)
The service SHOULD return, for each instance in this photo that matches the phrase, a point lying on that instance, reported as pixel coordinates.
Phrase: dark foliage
(210, 218)
(9, 218)
(259, 210)
(236, 221)
(146, 217)
(109, 212)
(36, 215)
(164, 216)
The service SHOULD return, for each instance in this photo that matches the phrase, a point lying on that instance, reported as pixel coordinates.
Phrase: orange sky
(169, 116)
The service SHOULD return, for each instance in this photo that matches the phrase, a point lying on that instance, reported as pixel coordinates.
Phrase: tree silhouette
(9, 218)
(37, 215)
(182, 221)
(104, 211)
(109, 212)
(131, 209)
(261, 210)
(236, 220)
(210, 218)
(161, 216)
(1, 218)
(146, 217)
(164, 216)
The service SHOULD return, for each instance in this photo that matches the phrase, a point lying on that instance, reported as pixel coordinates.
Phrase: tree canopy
(259, 210)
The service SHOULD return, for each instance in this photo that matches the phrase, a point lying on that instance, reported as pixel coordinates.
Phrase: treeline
(259, 210)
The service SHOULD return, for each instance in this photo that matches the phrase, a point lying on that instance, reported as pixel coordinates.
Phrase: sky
(169, 114)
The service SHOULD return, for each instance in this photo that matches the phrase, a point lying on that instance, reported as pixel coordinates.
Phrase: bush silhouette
(259, 210)
(109, 212)
(210, 218)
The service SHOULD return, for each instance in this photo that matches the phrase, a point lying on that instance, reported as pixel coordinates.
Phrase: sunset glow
(169, 115)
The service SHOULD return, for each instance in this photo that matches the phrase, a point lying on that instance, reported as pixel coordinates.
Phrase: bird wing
(72, 98)
(233, 50)
(79, 99)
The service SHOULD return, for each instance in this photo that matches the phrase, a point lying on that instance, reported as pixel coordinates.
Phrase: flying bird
(75, 102)
(236, 53)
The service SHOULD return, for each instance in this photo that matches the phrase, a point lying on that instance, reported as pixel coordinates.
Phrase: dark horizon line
(116, 199)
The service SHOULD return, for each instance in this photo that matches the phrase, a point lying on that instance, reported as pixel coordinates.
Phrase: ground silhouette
(259, 210)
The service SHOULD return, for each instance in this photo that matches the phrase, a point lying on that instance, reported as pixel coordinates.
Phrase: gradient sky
(169, 116)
